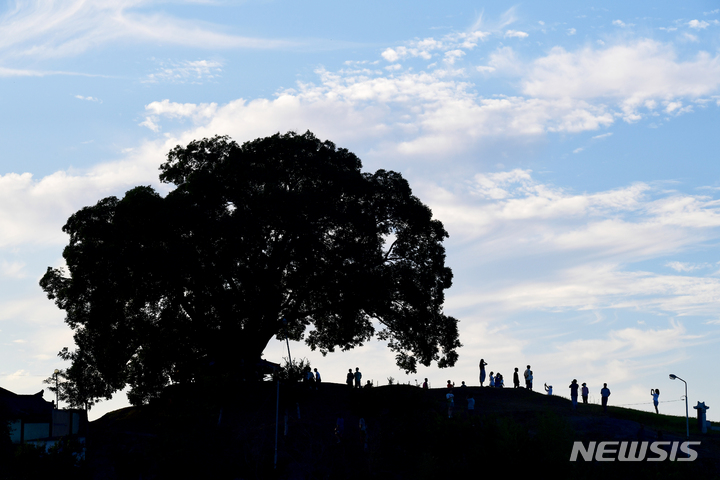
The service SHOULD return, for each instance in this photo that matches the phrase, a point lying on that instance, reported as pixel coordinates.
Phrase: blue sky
(570, 151)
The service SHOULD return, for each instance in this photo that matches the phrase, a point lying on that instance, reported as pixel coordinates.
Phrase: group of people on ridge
(497, 380)
(356, 378)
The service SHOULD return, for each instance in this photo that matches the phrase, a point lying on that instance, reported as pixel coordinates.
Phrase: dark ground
(198, 434)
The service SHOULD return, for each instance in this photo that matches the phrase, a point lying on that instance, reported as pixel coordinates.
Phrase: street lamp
(287, 340)
(687, 418)
(57, 389)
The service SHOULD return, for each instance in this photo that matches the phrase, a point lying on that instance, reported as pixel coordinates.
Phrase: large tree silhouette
(280, 236)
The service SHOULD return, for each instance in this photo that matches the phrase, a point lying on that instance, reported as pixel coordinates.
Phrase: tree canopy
(281, 236)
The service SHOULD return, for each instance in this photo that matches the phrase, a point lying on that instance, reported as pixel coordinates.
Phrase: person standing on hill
(358, 378)
(451, 402)
(655, 394)
(526, 374)
(516, 379)
(317, 380)
(574, 393)
(585, 392)
(349, 378)
(425, 384)
(605, 393)
(482, 371)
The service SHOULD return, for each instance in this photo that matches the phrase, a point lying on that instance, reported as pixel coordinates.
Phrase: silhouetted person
(548, 389)
(451, 402)
(605, 393)
(585, 392)
(310, 378)
(317, 379)
(425, 384)
(574, 387)
(492, 379)
(528, 382)
(350, 377)
(655, 394)
(482, 371)
(358, 378)
(516, 379)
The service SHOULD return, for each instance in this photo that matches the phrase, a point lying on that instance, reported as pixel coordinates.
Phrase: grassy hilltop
(230, 434)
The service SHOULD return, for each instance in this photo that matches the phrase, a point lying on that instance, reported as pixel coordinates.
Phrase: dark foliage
(282, 235)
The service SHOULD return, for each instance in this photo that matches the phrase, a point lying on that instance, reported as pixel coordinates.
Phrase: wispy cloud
(687, 267)
(88, 98)
(186, 71)
(49, 29)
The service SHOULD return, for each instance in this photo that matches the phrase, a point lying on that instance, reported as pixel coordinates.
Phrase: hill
(230, 434)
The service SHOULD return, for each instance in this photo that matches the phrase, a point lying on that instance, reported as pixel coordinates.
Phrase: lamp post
(287, 340)
(687, 417)
(57, 389)
(277, 401)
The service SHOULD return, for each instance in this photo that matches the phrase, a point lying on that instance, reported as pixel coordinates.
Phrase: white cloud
(507, 212)
(425, 48)
(89, 99)
(166, 108)
(619, 356)
(698, 24)
(391, 55)
(686, 267)
(453, 55)
(515, 34)
(505, 60)
(571, 31)
(631, 75)
(408, 113)
(33, 211)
